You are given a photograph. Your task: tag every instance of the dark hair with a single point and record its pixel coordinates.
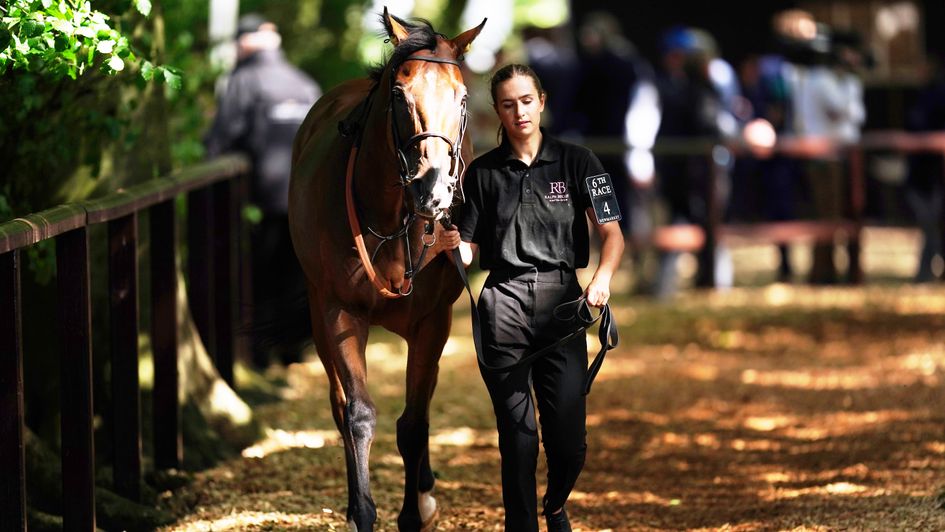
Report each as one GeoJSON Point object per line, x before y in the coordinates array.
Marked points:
{"type": "Point", "coordinates": [249, 23]}
{"type": "Point", "coordinates": [506, 73]}
{"type": "Point", "coordinates": [421, 36]}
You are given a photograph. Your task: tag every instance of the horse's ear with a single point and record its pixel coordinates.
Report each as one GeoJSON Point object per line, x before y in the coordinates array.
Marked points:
{"type": "Point", "coordinates": [464, 39]}
{"type": "Point", "coordinates": [395, 28]}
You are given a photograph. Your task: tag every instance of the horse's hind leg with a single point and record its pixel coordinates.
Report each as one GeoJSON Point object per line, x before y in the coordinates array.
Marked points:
{"type": "Point", "coordinates": [327, 354]}
{"type": "Point", "coordinates": [344, 337]}
{"type": "Point", "coordinates": [413, 428]}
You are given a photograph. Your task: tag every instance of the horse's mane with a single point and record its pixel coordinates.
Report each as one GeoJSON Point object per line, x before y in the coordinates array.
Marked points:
{"type": "Point", "coordinates": [422, 37]}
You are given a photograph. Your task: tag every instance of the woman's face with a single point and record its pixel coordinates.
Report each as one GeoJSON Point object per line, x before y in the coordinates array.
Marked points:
{"type": "Point", "coordinates": [519, 106]}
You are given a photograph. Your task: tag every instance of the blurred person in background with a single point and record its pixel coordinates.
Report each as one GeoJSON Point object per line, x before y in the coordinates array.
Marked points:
{"type": "Point", "coordinates": [925, 190]}
{"type": "Point", "coordinates": [849, 61]}
{"type": "Point", "coordinates": [259, 112]}
{"type": "Point", "coordinates": [617, 100]}
{"type": "Point", "coordinates": [550, 54]}
{"type": "Point", "coordinates": [828, 108]}
{"type": "Point", "coordinates": [764, 183]}
{"type": "Point", "coordinates": [691, 97]}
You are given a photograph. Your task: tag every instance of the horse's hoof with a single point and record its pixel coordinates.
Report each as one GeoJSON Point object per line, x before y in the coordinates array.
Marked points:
{"type": "Point", "coordinates": [429, 525]}
{"type": "Point", "coordinates": [428, 511]}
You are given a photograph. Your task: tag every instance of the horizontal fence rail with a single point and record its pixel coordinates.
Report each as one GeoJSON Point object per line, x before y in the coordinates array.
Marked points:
{"type": "Point", "coordinates": [212, 187]}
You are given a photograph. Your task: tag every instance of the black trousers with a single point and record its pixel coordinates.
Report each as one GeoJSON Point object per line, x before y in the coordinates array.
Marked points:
{"type": "Point", "coordinates": [516, 313]}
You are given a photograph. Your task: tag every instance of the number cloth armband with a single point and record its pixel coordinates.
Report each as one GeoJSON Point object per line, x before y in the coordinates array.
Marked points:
{"type": "Point", "coordinates": [603, 198]}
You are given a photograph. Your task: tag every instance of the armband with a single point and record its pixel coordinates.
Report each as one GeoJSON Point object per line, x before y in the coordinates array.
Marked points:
{"type": "Point", "coordinates": [603, 199]}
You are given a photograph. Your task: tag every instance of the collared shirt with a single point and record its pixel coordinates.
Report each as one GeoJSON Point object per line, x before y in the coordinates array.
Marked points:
{"type": "Point", "coordinates": [529, 215]}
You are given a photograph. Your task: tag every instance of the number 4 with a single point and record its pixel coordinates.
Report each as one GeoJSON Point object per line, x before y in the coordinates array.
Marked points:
{"type": "Point", "coordinates": [607, 207]}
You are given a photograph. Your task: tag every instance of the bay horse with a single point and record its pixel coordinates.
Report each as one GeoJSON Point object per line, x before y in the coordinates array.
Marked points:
{"type": "Point", "coordinates": [386, 154]}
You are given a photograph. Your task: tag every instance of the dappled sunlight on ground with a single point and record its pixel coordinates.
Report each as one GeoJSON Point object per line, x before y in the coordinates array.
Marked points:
{"type": "Point", "coordinates": [280, 440]}
{"type": "Point", "coordinates": [776, 408]}
{"type": "Point", "coordinates": [268, 520]}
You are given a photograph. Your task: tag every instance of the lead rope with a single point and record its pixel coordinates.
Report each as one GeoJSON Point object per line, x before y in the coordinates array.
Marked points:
{"type": "Point", "coordinates": [606, 332]}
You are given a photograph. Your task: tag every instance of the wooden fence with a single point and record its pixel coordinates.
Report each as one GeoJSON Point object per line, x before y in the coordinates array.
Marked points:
{"type": "Point", "coordinates": [214, 201]}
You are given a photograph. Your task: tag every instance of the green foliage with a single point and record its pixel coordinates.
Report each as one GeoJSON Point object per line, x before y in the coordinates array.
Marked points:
{"type": "Point", "coordinates": [169, 75]}
{"type": "Point", "coordinates": [64, 38]}
{"type": "Point", "coordinates": [71, 83]}
{"type": "Point", "coordinates": [319, 36]}
{"type": "Point", "coordinates": [41, 261]}
{"type": "Point", "coordinates": [191, 94]}
{"type": "Point", "coordinates": [6, 211]}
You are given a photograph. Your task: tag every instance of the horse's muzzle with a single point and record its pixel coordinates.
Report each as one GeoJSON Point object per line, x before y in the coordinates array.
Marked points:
{"type": "Point", "coordinates": [431, 194]}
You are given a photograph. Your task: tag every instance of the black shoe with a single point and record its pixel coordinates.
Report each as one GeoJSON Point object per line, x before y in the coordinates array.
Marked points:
{"type": "Point", "coordinates": [558, 522]}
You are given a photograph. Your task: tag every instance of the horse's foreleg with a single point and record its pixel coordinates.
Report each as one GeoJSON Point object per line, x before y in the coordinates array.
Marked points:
{"type": "Point", "coordinates": [345, 336]}
{"type": "Point", "coordinates": [413, 428]}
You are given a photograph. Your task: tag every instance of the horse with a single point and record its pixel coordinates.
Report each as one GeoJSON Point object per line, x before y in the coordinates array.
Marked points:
{"type": "Point", "coordinates": [385, 153]}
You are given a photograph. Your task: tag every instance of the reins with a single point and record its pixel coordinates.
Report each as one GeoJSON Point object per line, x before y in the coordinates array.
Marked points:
{"type": "Point", "coordinates": [578, 309]}
{"type": "Point", "coordinates": [428, 239]}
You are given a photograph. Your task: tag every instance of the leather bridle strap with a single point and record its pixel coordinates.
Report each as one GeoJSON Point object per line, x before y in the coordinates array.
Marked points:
{"type": "Point", "coordinates": [355, 224]}
{"type": "Point", "coordinates": [431, 59]}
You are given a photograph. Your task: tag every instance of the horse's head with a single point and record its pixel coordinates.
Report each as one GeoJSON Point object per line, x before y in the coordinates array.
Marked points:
{"type": "Point", "coordinates": [427, 112]}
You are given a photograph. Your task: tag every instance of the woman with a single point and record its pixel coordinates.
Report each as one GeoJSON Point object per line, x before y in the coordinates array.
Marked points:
{"type": "Point", "coordinates": [527, 204]}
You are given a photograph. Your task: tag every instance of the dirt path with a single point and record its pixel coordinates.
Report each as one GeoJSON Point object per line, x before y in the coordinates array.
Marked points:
{"type": "Point", "coordinates": [778, 408]}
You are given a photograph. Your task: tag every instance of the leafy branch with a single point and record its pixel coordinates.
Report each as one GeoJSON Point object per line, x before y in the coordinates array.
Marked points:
{"type": "Point", "coordinates": [68, 38]}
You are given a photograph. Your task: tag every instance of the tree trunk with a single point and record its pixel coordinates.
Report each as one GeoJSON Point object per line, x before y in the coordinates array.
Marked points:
{"type": "Point", "coordinates": [44, 483]}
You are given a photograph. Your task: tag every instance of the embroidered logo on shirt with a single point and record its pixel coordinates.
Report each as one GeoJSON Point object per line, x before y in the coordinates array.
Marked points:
{"type": "Point", "coordinates": [558, 192]}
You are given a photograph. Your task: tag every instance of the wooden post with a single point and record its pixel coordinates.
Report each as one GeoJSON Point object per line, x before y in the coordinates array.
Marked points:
{"type": "Point", "coordinates": [706, 274]}
{"type": "Point", "coordinates": [857, 205]}
{"type": "Point", "coordinates": [200, 263]}
{"type": "Point", "coordinates": [12, 457]}
{"type": "Point", "coordinates": [75, 336]}
{"type": "Point", "coordinates": [242, 349]}
{"type": "Point", "coordinates": [123, 319]}
{"type": "Point", "coordinates": [225, 311]}
{"type": "Point", "coordinates": [168, 443]}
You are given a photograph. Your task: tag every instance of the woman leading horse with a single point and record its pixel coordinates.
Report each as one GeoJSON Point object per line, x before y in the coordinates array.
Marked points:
{"type": "Point", "coordinates": [375, 165]}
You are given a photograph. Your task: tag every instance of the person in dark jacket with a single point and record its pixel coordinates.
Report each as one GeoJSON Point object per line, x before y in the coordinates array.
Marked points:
{"type": "Point", "coordinates": [259, 113]}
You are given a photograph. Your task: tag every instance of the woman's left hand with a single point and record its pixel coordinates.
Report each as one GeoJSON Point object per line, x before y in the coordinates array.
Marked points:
{"type": "Point", "coordinates": [597, 293]}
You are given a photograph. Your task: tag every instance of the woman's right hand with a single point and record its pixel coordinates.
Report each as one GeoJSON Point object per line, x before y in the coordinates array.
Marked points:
{"type": "Point", "coordinates": [449, 239]}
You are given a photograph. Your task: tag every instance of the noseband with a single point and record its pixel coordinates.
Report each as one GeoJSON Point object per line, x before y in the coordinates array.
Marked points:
{"type": "Point", "coordinates": [457, 165]}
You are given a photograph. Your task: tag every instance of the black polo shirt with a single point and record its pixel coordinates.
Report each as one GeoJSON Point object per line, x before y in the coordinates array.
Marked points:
{"type": "Point", "coordinates": [523, 216]}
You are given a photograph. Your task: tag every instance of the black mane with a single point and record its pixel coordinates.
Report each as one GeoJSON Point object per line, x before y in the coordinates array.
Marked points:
{"type": "Point", "coordinates": [422, 37]}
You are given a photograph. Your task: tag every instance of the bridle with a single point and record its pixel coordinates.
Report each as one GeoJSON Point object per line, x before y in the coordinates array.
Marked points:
{"type": "Point", "coordinates": [457, 164]}
{"type": "Point", "coordinates": [457, 167]}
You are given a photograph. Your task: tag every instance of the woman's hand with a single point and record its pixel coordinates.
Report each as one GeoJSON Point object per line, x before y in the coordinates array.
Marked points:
{"type": "Point", "coordinates": [448, 240]}
{"type": "Point", "coordinates": [598, 292]}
